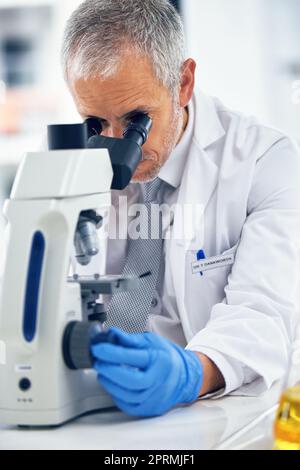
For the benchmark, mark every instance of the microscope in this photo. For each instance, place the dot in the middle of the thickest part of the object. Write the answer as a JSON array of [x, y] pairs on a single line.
[[48, 319]]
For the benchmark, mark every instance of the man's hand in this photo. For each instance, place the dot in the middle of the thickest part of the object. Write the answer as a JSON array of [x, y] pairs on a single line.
[[145, 374]]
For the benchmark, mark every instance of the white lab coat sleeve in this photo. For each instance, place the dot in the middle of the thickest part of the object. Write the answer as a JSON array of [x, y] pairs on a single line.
[[249, 334]]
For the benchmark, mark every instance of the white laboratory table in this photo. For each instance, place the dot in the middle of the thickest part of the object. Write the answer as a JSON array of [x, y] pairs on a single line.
[[226, 423]]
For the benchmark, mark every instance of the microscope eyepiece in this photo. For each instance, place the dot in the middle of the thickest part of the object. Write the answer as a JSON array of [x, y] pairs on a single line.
[[125, 154], [138, 129], [67, 136]]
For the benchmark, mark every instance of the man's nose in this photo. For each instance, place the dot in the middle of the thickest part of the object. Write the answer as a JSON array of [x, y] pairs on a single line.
[[113, 131]]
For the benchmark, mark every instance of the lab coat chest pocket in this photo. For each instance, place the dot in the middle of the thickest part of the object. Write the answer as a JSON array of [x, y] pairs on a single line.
[[203, 291]]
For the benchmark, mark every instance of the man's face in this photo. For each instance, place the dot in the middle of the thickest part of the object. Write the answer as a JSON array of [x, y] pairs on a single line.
[[131, 90]]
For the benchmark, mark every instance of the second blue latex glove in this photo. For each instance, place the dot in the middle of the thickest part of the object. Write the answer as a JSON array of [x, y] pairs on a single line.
[[145, 374]]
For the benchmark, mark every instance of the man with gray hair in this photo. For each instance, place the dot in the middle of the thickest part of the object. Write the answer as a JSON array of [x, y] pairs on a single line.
[[223, 307]]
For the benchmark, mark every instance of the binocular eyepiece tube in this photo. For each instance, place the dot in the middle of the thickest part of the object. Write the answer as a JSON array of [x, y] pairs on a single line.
[[76, 136]]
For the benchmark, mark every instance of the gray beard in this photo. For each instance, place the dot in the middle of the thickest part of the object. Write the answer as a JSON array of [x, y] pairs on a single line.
[[169, 143]]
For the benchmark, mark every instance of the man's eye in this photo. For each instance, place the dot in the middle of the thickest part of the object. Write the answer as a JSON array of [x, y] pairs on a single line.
[[103, 124], [135, 116], [128, 119]]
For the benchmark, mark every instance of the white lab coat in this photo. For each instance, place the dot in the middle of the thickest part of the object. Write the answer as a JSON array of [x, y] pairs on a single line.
[[247, 177]]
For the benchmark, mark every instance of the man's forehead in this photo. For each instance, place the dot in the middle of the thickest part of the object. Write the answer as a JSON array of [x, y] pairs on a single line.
[[133, 87], [129, 77], [120, 105]]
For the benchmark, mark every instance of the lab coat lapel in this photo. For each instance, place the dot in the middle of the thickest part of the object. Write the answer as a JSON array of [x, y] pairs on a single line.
[[198, 183]]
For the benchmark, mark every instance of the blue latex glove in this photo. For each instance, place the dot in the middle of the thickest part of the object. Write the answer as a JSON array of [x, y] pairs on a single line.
[[145, 374]]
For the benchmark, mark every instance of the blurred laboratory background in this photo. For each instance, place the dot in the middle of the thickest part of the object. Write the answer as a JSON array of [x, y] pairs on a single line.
[[247, 54]]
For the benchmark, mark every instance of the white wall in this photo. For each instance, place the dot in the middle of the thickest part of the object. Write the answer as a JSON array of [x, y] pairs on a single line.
[[49, 84], [46, 27], [53, 78], [244, 49]]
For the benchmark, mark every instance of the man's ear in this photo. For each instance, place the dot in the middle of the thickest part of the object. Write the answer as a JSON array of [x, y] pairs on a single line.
[[187, 83]]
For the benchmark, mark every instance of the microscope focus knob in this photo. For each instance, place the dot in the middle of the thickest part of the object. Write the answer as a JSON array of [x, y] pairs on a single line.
[[99, 314], [77, 339]]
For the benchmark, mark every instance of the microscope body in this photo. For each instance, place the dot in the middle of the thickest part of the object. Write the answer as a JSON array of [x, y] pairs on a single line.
[[47, 319], [37, 301]]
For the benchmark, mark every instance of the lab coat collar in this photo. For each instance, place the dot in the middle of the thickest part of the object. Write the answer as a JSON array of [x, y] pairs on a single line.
[[199, 180], [200, 175], [204, 127], [208, 127], [172, 170]]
